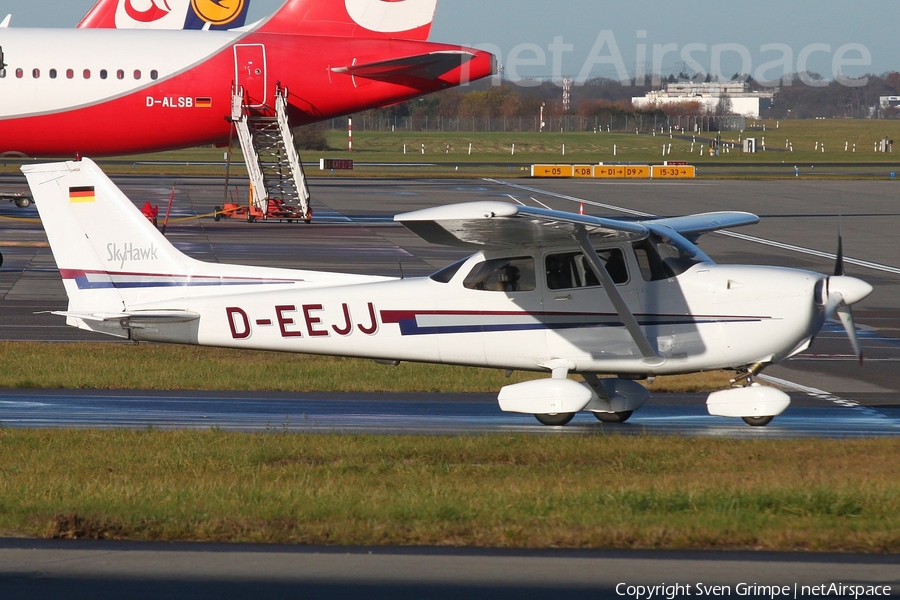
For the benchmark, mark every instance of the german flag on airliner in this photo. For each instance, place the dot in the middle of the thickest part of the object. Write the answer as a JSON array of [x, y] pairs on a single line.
[[81, 194], [204, 102]]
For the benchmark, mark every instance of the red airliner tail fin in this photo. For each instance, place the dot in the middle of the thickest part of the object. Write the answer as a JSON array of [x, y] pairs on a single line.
[[166, 14], [399, 19]]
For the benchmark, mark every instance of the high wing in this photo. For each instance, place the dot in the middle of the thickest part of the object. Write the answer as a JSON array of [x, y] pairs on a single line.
[[423, 66], [693, 226], [501, 224]]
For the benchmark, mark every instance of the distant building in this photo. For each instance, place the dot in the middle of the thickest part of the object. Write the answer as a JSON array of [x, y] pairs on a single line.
[[743, 101], [889, 101]]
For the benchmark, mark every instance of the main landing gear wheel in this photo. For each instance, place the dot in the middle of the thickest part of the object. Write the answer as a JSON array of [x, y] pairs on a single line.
[[618, 417], [23, 202], [757, 421], [555, 419]]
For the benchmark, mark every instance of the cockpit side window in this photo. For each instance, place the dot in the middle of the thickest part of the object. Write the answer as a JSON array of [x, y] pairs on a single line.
[[502, 275], [660, 260], [571, 270]]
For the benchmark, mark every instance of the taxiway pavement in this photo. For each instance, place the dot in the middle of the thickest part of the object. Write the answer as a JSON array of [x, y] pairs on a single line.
[[40, 570]]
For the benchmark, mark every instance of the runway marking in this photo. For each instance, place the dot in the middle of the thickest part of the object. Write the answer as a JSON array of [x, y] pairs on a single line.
[[829, 397], [732, 234]]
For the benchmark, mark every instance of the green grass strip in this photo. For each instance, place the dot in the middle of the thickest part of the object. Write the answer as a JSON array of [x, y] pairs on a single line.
[[489, 491], [159, 367]]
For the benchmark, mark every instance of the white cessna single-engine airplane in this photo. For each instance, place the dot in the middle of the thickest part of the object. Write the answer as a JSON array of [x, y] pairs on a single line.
[[545, 291]]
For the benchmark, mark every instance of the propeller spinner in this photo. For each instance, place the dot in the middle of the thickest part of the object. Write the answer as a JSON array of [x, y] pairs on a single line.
[[842, 292]]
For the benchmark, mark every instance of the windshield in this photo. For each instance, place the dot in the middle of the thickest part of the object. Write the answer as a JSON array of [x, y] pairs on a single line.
[[660, 259], [448, 272]]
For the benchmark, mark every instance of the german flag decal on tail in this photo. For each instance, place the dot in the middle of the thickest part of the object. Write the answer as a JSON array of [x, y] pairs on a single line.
[[81, 194], [203, 102]]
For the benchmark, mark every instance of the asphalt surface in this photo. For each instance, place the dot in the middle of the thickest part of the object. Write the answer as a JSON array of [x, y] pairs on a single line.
[[428, 414], [40, 570]]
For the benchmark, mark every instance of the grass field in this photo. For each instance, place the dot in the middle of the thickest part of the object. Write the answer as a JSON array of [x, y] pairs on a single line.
[[598, 147], [490, 491], [158, 367], [449, 151]]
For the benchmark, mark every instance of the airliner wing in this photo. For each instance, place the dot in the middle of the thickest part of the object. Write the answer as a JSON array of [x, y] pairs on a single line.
[[500, 224], [423, 66]]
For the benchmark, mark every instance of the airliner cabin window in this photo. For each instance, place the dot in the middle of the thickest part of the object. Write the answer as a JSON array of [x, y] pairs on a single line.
[[70, 73], [103, 74], [36, 73], [137, 74], [20, 73], [571, 270], [2, 73], [87, 73], [502, 275], [154, 74], [52, 73], [120, 74]]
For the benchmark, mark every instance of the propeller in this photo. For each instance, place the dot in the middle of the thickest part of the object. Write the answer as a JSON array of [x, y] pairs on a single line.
[[841, 293]]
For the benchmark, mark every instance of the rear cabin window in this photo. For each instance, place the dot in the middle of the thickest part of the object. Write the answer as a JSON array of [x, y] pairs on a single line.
[[571, 270], [502, 275]]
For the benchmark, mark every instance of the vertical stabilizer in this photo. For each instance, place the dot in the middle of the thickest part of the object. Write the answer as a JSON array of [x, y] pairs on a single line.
[[166, 14], [109, 255], [398, 19]]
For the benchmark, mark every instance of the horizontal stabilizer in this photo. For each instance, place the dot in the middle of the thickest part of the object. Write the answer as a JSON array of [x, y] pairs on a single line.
[[501, 224], [134, 318], [428, 67]]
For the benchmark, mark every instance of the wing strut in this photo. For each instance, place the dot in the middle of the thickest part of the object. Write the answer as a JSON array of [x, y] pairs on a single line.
[[651, 357]]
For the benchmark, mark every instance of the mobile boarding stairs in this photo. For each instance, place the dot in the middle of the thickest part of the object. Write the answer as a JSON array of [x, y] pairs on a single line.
[[278, 184]]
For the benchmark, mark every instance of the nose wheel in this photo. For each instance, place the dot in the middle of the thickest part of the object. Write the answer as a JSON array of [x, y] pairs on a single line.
[[757, 421], [617, 417]]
